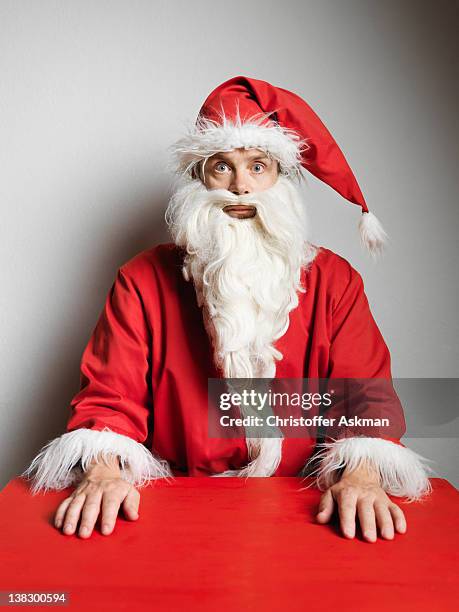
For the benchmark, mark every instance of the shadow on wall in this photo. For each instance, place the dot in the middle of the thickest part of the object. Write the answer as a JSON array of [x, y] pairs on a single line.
[[48, 405]]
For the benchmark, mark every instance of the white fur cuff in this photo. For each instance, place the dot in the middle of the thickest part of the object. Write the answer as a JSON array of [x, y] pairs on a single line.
[[56, 465], [403, 473]]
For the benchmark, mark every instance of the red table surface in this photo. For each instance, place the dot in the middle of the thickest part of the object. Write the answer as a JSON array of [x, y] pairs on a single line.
[[231, 544]]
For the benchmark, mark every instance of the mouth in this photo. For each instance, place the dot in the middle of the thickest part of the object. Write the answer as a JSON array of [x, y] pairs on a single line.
[[240, 210]]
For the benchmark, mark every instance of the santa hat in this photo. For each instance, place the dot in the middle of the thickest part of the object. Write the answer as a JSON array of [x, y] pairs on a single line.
[[249, 113]]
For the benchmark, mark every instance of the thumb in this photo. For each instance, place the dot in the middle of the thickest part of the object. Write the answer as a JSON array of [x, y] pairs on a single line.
[[325, 507]]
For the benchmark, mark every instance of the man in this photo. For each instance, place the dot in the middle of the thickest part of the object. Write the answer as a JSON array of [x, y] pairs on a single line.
[[241, 293]]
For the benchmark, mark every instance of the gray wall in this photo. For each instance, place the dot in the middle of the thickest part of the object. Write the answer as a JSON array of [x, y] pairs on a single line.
[[92, 93]]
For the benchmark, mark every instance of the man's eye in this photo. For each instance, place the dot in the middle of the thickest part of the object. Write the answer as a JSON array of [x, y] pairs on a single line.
[[220, 165], [259, 166]]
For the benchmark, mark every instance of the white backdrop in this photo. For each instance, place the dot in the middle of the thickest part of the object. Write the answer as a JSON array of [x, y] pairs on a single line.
[[93, 92]]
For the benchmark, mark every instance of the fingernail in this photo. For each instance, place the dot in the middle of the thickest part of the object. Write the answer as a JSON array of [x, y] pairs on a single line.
[[105, 528], [68, 527], [84, 531], [58, 523]]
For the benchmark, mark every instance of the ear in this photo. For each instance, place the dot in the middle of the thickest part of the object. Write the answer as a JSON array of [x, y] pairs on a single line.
[[196, 172]]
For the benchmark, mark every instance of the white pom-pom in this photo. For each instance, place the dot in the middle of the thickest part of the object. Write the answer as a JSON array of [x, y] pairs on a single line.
[[372, 234]]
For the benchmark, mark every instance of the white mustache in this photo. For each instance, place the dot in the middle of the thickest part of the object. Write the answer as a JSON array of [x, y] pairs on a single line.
[[223, 197], [226, 198]]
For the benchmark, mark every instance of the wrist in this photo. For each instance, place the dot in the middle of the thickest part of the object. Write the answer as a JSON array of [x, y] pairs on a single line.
[[363, 473], [107, 465]]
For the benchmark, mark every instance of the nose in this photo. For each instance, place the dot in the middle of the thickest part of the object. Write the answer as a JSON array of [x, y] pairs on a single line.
[[239, 190], [238, 185]]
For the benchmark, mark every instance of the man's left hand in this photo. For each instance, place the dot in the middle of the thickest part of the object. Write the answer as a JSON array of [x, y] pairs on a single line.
[[360, 492]]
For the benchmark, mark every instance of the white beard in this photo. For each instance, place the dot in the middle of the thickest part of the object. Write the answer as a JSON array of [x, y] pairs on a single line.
[[246, 274]]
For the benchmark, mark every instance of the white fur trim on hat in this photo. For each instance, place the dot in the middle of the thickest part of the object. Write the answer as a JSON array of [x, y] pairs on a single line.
[[55, 466], [403, 473], [372, 234], [208, 136]]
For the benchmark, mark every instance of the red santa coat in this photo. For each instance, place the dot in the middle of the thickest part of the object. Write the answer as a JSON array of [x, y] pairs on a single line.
[[145, 369]]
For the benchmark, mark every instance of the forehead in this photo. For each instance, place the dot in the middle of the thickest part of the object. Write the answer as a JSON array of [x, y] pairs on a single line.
[[240, 154]]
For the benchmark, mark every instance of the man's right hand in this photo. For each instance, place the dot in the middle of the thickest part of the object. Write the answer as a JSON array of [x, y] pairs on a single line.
[[102, 490]]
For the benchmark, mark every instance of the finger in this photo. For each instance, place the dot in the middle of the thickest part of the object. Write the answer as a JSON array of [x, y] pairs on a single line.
[[384, 521], [110, 507], [73, 513], [325, 507], [367, 519], [131, 504], [398, 518], [346, 507], [60, 512], [90, 513]]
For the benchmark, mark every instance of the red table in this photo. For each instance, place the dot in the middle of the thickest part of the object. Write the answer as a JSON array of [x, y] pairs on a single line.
[[231, 544]]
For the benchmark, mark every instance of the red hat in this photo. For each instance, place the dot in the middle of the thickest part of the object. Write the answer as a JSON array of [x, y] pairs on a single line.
[[249, 113]]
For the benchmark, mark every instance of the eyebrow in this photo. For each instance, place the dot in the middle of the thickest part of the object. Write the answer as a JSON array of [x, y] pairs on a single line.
[[251, 158]]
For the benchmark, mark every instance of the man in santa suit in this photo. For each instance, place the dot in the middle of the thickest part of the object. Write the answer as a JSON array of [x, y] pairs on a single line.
[[241, 292]]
